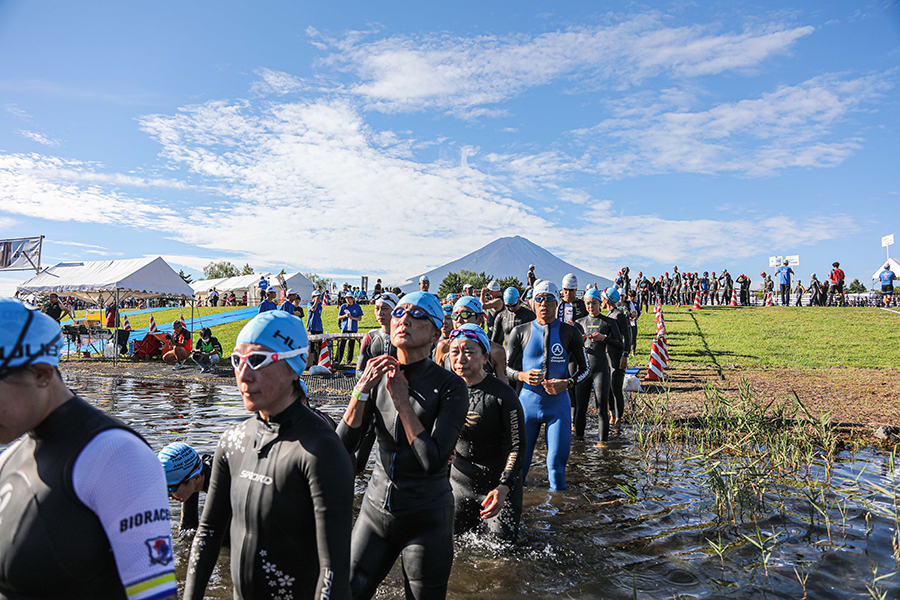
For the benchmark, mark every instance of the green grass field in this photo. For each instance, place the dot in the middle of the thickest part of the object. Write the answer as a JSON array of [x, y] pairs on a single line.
[[777, 337]]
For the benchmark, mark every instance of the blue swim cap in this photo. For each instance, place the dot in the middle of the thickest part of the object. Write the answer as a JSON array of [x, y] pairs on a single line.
[[451, 298], [481, 336], [180, 462], [511, 295], [427, 302], [27, 336], [280, 332], [611, 294], [448, 309], [592, 293], [470, 302]]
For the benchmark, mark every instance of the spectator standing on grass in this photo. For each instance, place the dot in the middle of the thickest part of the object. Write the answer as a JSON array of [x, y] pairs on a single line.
[[288, 304], [269, 302], [298, 307], [263, 286], [55, 309], [798, 291], [213, 297], [314, 323], [836, 277], [784, 273], [349, 316], [887, 277]]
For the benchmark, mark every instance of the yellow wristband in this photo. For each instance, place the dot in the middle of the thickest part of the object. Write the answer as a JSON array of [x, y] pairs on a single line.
[[360, 396]]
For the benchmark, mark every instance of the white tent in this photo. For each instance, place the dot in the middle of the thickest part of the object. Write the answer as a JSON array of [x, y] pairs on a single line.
[[129, 278], [300, 284], [239, 284], [895, 267]]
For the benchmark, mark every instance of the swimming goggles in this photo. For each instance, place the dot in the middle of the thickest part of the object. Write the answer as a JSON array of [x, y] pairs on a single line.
[[470, 334], [541, 298], [193, 473], [464, 315], [260, 358], [415, 312]]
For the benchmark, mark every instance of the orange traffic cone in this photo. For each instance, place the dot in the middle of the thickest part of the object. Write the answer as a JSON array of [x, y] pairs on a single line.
[[696, 301], [127, 324], [153, 328], [654, 368], [770, 299], [734, 301], [325, 356], [183, 322]]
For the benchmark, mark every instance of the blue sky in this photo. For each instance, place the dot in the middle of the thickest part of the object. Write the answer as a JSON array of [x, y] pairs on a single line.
[[385, 139]]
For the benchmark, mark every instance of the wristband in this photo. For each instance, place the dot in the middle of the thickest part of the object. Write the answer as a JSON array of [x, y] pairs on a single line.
[[360, 396], [570, 383]]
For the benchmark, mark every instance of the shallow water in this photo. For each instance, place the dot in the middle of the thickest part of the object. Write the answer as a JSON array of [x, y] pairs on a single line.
[[629, 525]]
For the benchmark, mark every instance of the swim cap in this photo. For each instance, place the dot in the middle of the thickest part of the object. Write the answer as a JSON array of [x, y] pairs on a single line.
[[546, 287], [482, 337], [610, 294], [570, 282], [447, 308], [280, 332], [592, 293], [429, 303], [494, 285], [423, 278], [470, 302], [390, 299], [511, 295], [180, 462], [451, 297], [27, 336]]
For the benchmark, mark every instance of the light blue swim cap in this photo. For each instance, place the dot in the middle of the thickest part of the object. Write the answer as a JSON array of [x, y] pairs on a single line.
[[592, 293], [180, 462], [482, 337], [611, 294], [427, 302], [470, 302], [27, 336], [511, 295]]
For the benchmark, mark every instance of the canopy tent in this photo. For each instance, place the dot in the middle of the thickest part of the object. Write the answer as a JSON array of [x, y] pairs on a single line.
[[895, 267], [91, 281], [300, 284]]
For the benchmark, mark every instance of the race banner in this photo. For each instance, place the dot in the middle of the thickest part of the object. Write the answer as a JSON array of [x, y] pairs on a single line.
[[20, 254]]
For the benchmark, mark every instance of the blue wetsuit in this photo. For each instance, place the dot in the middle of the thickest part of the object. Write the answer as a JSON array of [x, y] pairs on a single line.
[[549, 348]]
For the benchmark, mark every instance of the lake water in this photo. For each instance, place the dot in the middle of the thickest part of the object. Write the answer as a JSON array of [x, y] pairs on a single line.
[[631, 524]]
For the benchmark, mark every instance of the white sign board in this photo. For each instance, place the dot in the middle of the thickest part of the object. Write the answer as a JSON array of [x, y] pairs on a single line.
[[775, 261], [793, 260], [887, 240]]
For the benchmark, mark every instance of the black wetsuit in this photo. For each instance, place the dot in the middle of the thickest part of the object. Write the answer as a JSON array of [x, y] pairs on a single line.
[[599, 378], [52, 545], [507, 320], [190, 508], [578, 310], [489, 452], [617, 374], [286, 485], [375, 343], [408, 505]]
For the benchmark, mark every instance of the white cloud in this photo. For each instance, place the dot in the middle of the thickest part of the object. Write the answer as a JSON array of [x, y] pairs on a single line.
[[792, 126], [13, 109], [276, 82], [7, 224], [457, 74], [40, 138]]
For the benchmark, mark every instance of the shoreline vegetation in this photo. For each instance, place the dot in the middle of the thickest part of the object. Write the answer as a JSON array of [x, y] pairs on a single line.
[[839, 364]]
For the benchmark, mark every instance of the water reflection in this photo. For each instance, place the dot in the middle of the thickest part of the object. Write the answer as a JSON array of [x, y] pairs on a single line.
[[629, 525]]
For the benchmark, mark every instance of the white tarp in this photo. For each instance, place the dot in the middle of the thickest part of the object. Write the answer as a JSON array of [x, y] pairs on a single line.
[[133, 278], [895, 267], [20, 254], [250, 284], [300, 284]]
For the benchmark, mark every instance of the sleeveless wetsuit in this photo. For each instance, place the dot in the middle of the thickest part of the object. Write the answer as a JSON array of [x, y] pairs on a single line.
[[599, 378], [83, 512], [407, 509], [617, 375], [286, 485], [489, 452], [549, 348]]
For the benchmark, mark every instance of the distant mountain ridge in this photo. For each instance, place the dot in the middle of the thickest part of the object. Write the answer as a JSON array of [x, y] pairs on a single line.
[[508, 257]]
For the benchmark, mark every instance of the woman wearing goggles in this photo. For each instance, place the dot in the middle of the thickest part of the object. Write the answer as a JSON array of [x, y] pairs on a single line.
[[491, 447], [468, 309]]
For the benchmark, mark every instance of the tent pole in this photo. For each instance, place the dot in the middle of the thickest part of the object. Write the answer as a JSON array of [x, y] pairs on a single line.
[[116, 333]]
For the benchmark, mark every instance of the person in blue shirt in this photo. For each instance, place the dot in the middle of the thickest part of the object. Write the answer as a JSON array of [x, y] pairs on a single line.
[[784, 273], [288, 305], [887, 277], [314, 324], [349, 316], [269, 303]]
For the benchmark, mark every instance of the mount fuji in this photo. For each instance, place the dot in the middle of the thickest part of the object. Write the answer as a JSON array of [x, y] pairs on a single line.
[[507, 257]]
